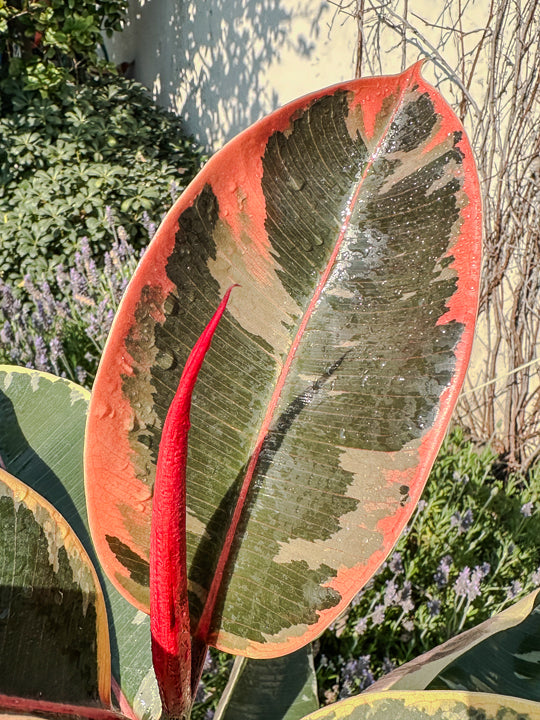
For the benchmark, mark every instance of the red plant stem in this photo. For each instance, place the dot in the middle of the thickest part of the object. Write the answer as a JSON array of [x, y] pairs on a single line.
[[27, 706], [169, 608]]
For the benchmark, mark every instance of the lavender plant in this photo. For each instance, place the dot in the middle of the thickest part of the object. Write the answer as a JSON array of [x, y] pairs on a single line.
[[63, 332], [470, 551]]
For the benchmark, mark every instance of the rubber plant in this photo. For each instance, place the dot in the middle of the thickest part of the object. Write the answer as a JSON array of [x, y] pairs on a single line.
[[252, 453]]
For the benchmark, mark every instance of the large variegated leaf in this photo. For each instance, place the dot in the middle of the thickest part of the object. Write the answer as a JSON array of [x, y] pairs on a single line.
[[393, 705], [500, 655], [54, 641], [351, 221], [42, 421], [283, 688]]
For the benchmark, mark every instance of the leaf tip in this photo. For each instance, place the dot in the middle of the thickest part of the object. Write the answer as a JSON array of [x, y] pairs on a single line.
[[415, 70]]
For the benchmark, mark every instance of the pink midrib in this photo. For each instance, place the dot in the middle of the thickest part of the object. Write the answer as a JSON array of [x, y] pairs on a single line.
[[202, 631]]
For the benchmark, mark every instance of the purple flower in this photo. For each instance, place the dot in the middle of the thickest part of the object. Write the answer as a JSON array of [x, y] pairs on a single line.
[[405, 599], [85, 249], [515, 588], [41, 361], [8, 303], [377, 616], [40, 319], [443, 571], [462, 522], [484, 568], [535, 577], [461, 586], [201, 693], [47, 298], [148, 225], [527, 509], [361, 626], [55, 346], [434, 607], [408, 625], [6, 334], [387, 666], [460, 478], [422, 504], [29, 286], [62, 278], [357, 670], [84, 264], [81, 374], [209, 664], [468, 583], [122, 234], [390, 593], [78, 283], [396, 563]]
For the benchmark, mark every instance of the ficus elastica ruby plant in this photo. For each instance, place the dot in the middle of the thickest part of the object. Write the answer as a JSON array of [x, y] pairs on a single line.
[[275, 388]]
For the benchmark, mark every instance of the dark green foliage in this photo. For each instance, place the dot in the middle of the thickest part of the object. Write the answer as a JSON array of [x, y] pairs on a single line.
[[44, 43], [68, 158]]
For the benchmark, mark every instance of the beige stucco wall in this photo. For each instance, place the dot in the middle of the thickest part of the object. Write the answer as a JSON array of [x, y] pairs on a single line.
[[222, 64], [226, 63]]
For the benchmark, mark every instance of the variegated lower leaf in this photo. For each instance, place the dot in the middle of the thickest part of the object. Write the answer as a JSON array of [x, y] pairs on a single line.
[[500, 655], [350, 219], [394, 705], [54, 641], [42, 422]]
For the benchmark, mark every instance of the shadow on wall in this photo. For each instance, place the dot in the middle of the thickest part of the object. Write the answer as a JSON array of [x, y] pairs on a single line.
[[209, 61]]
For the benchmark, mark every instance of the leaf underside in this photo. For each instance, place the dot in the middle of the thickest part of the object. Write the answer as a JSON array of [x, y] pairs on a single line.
[[351, 221]]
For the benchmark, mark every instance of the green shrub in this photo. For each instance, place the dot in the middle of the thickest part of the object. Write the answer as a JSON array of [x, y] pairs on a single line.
[[474, 532], [70, 158], [45, 44]]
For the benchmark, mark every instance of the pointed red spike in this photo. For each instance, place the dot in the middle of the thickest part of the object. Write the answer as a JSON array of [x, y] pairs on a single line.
[[169, 609]]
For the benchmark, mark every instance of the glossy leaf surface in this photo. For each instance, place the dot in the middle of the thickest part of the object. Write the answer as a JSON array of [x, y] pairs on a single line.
[[393, 705], [501, 655], [42, 421], [283, 688], [54, 641], [351, 221]]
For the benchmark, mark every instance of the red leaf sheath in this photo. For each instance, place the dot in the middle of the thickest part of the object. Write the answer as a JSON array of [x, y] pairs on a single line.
[[169, 609]]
